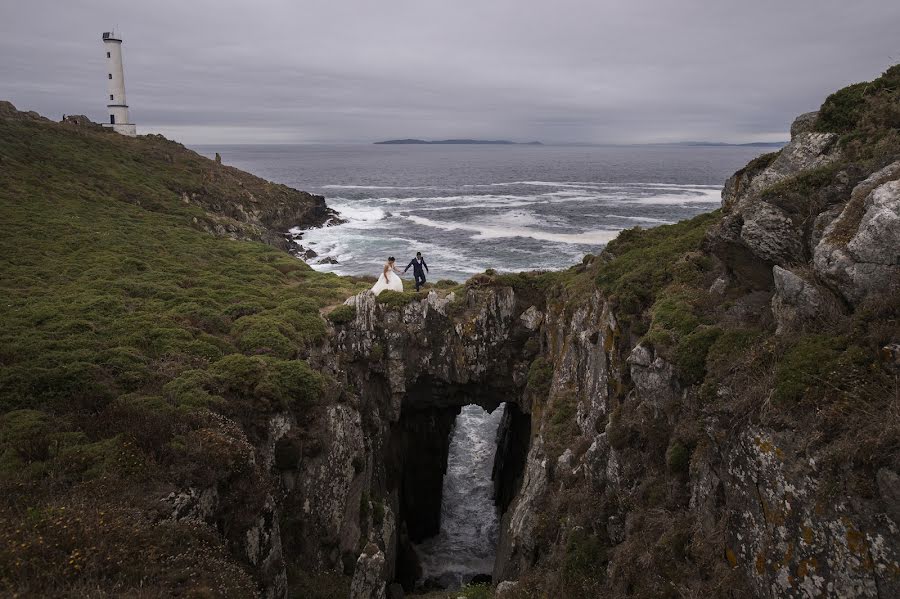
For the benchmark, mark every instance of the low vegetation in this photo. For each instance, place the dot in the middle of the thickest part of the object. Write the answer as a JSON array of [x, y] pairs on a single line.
[[342, 314], [123, 330]]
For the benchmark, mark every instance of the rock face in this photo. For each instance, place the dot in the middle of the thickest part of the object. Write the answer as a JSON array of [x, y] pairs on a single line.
[[805, 123], [796, 303], [757, 232], [368, 582], [857, 254]]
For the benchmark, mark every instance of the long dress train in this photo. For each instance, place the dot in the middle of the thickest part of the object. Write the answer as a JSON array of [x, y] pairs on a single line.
[[388, 281]]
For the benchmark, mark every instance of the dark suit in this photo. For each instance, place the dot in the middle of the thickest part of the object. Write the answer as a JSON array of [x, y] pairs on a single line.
[[419, 269]]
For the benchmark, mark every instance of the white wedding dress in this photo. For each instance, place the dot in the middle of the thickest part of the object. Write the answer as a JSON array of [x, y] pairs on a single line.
[[390, 281]]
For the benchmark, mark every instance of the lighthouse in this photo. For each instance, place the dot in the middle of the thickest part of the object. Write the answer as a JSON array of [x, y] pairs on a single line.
[[117, 107]]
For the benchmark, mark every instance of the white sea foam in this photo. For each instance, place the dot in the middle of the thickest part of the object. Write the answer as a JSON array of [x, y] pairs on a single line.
[[643, 219], [360, 212], [595, 237], [707, 196], [378, 187]]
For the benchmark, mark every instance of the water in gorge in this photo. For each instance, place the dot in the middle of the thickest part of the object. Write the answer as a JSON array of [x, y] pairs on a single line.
[[470, 525]]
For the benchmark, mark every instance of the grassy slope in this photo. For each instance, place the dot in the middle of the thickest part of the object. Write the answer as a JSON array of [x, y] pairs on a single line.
[[121, 325]]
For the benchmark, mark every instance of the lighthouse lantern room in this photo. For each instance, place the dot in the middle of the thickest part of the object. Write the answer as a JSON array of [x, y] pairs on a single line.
[[117, 107]]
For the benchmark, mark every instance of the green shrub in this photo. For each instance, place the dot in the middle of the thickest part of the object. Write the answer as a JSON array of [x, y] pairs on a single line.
[[26, 433], [678, 458], [127, 365], [275, 382], [189, 389], [540, 376], [673, 318], [202, 317], [561, 428], [841, 110], [805, 364], [237, 373], [342, 314], [241, 309], [476, 591], [867, 116], [638, 263], [728, 348], [289, 382], [585, 556], [618, 433], [398, 299], [691, 353], [262, 334]]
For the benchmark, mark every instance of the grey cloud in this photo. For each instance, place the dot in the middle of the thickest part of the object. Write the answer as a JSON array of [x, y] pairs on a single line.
[[357, 70]]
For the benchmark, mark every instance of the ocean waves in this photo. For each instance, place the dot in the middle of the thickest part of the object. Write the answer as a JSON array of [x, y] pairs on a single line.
[[511, 225]]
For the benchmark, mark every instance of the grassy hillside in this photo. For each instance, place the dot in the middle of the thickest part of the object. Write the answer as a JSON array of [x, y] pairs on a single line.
[[124, 328]]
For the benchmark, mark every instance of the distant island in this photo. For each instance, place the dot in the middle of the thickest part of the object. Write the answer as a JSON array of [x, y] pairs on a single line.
[[493, 142]]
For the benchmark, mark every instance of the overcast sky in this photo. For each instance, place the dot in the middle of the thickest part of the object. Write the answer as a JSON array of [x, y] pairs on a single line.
[[600, 71]]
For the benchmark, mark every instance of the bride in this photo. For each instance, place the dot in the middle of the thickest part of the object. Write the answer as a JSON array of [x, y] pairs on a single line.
[[389, 279]]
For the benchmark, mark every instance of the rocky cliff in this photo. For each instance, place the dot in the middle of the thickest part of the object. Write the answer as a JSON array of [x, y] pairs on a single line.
[[709, 408]]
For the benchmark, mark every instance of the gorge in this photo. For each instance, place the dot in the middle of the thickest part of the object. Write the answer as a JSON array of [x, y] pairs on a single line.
[[704, 409]]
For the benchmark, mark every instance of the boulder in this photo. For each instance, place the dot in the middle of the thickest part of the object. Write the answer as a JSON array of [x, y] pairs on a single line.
[[505, 588], [367, 582], [532, 318], [806, 151], [858, 254], [771, 235], [654, 379], [755, 234], [80, 120], [796, 302], [804, 123]]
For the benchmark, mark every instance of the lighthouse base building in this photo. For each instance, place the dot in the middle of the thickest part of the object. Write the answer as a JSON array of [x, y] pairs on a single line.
[[117, 108]]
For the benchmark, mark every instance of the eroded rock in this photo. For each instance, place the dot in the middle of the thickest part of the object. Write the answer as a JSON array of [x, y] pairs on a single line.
[[367, 577], [796, 302], [864, 260]]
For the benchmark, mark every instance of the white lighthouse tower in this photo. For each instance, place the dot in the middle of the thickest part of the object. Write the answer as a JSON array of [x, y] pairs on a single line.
[[117, 107]]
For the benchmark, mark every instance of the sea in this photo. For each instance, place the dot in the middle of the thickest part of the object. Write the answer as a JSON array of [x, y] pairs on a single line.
[[468, 208]]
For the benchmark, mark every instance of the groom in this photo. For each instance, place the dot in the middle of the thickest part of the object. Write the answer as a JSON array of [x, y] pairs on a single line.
[[418, 264]]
